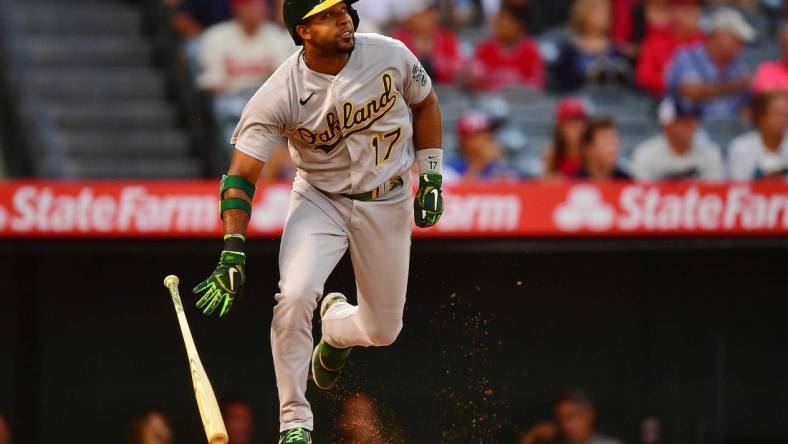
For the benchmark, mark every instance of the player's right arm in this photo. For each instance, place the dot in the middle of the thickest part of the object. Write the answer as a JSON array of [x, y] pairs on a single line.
[[235, 194], [259, 130]]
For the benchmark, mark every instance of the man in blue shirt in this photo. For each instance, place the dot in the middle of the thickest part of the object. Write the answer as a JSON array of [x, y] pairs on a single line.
[[712, 74]]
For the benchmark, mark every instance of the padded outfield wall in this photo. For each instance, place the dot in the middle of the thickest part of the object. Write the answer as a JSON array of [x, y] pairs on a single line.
[[689, 333], [679, 317]]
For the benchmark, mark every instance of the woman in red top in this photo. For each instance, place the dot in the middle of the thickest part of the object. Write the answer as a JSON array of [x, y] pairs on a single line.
[[562, 158], [662, 42], [509, 58], [438, 50]]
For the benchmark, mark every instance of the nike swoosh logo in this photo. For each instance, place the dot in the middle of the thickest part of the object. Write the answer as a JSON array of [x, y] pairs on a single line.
[[435, 196], [303, 101], [232, 281], [432, 157]]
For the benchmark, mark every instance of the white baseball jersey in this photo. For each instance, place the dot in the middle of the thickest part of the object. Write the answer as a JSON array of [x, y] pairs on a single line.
[[347, 133]]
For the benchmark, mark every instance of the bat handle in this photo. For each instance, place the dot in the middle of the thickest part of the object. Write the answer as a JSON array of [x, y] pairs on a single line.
[[171, 280]]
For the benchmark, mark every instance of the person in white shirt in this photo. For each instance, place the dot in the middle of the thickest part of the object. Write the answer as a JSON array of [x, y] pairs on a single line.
[[237, 56], [240, 54], [762, 153], [677, 153]]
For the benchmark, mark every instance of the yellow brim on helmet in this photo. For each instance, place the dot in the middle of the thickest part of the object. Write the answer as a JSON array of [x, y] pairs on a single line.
[[322, 7]]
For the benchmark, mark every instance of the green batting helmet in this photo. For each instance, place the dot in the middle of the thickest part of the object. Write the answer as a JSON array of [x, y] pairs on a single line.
[[295, 11]]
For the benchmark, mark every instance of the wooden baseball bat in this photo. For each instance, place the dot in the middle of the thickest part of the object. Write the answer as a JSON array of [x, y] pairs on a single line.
[[210, 414]]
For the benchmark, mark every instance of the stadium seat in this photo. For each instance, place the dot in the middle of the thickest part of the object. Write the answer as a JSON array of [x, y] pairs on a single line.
[[100, 105]]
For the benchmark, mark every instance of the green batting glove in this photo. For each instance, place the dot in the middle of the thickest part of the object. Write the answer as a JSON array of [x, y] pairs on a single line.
[[225, 284], [428, 205]]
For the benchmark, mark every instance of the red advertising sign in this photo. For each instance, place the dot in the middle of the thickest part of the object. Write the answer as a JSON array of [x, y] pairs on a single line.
[[189, 209]]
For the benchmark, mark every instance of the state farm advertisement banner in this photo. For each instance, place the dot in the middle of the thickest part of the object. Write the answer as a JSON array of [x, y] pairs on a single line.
[[189, 209]]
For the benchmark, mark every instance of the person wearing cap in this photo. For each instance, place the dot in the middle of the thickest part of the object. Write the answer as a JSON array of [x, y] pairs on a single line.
[[240, 54], [712, 74], [600, 148], [438, 50], [772, 75], [482, 157], [763, 152], [660, 43], [677, 153], [563, 157]]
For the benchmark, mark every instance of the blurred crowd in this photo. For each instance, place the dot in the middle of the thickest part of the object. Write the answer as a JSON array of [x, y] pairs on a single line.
[[153, 427], [360, 420], [685, 60]]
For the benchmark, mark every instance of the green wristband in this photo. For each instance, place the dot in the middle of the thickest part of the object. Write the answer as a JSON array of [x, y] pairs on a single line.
[[236, 182], [236, 204]]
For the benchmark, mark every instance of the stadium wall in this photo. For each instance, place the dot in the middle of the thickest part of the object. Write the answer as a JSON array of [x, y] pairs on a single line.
[[684, 331]]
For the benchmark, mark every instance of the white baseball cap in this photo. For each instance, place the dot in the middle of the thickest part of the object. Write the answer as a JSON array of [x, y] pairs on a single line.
[[731, 20]]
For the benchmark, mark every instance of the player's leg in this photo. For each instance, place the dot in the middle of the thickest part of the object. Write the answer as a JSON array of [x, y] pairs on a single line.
[[312, 244], [380, 250]]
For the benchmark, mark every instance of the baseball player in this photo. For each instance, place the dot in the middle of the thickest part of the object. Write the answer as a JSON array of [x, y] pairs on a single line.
[[357, 110]]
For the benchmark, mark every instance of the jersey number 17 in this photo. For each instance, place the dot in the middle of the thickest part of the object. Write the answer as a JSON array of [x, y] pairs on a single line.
[[390, 137]]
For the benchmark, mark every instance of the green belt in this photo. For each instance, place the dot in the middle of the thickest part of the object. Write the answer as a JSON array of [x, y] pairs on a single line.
[[373, 195]]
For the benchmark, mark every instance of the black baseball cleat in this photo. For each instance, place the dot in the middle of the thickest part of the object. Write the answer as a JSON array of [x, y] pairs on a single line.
[[328, 361]]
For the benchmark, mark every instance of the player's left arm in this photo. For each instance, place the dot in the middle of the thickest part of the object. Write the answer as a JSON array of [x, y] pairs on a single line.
[[428, 139]]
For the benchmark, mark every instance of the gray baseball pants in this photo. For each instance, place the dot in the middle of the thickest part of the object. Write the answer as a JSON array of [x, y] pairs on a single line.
[[319, 229]]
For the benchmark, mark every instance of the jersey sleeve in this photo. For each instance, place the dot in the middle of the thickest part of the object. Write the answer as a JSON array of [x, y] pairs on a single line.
[[261, 126], [416, 84]]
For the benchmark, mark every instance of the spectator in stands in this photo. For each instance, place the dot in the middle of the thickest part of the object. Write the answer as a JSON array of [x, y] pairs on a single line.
[[563, 157], [382, 15], [242, 53], [591, 57], [600, 152], [677, 153], [712, 74], [192, 17], [152, 428], [762, 153], [539, 16], [660, 43], [239, 421], [482, 157], [773, 75], [574, 423], [5, 431], [623, 25], [277, 15], [437, 49], [508, 58], [237, 56], [648, 16]]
